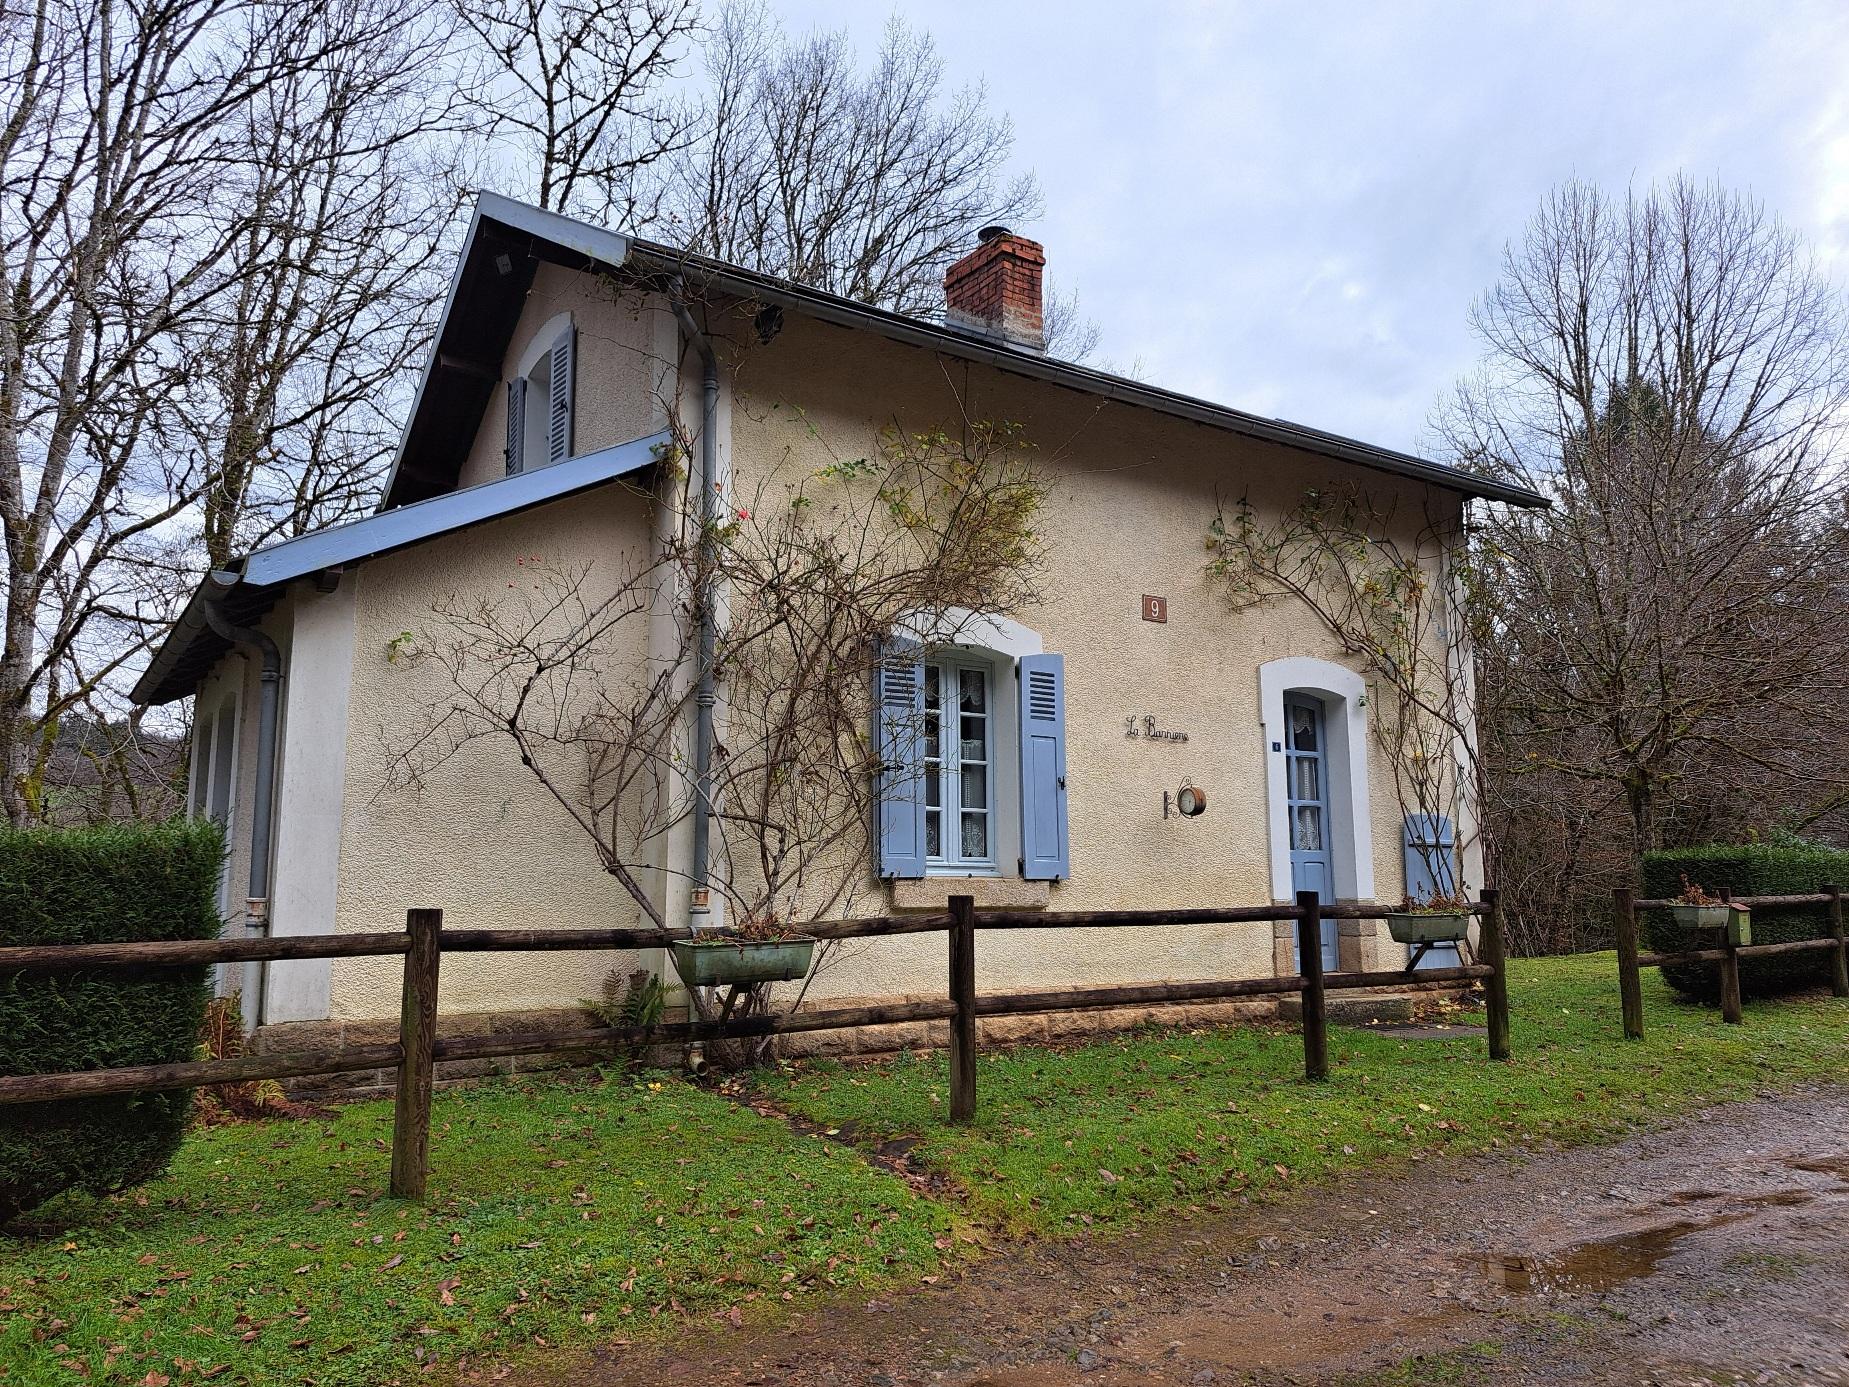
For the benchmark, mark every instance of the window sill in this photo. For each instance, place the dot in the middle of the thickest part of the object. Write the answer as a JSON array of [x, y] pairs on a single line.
[[991, 893]]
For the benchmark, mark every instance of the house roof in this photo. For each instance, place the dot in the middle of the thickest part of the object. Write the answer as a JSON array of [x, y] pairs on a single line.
[[250, 587], [507, 240], [505, 244]]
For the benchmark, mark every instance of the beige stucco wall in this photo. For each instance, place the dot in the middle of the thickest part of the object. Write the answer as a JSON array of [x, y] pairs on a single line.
[[1132, 496], [481, 840], [623, 343]]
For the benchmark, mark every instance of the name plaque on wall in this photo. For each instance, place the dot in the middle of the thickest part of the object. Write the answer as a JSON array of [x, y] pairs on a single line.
[[1145, 728]]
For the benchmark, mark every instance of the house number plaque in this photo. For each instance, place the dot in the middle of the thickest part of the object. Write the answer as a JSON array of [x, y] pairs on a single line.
[[1155, 608]]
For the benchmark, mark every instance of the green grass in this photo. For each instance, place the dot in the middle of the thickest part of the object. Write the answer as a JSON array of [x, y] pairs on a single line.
[[268, 1250], [1109, 1132], [271, 1248]]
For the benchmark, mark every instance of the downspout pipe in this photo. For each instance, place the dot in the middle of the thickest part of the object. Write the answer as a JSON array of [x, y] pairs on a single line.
[[269, 690], [705, 695]]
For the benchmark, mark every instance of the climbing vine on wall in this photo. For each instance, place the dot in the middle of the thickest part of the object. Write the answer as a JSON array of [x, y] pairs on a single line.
[[1399, 608]]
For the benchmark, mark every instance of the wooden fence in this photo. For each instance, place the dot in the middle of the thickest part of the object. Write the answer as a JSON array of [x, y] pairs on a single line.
[[424, 941], [1725, 956]]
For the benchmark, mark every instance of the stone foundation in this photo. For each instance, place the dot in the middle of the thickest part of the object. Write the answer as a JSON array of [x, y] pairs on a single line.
[[294, 1036], [868, 1042]]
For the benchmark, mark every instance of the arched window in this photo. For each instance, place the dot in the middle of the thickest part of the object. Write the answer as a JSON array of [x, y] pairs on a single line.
[[540, 398]]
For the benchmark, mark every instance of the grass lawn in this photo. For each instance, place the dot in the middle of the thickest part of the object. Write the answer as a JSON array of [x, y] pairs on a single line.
[[559, 1211], [1113, 1130], [577, 1211]]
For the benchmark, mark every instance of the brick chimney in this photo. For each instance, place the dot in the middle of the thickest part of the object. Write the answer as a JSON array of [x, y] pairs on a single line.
[[995, 289]]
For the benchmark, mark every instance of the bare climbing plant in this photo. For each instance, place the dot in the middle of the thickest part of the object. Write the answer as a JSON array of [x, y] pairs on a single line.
[[1399, 607], [812, 574]]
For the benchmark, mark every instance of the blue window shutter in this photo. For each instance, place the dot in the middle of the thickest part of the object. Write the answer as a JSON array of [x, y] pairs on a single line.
[[1044, 854], [1430, 844], [516, 423], [898, 739], [559, 396]]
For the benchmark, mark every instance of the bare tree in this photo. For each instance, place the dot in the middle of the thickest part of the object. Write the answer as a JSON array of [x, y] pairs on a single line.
[[1070, 335], [308, 355], [863, 183], [573, 94], [1670, 371], [117, 127]]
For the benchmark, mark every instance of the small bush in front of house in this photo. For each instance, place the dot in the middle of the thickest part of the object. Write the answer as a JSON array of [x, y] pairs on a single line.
[[99, 885], [1749, 869]]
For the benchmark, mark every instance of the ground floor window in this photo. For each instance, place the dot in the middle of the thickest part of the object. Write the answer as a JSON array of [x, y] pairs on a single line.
[[959, 759], [971, 777]]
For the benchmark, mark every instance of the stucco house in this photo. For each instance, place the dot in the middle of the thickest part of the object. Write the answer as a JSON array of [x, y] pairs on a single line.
[[539, 428]]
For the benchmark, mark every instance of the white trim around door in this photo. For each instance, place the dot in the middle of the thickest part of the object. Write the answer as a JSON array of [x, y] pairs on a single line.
[[1343, 694]]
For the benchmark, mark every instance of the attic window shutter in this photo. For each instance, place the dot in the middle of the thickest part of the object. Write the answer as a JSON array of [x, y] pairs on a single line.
[[1044, 852], [516, 424], [1430, 844], [559, 396], [898, 739]]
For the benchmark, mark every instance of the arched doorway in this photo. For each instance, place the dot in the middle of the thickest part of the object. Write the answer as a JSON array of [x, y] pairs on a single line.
[[1315, 728]]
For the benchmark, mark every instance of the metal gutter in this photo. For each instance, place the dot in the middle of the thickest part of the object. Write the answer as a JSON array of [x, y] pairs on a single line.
[[706, 694]]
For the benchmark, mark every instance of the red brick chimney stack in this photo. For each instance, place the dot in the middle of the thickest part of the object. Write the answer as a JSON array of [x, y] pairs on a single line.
[[995, 289]]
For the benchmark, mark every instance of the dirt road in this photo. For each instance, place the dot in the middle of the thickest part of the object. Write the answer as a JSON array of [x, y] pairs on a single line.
[[1716, 1250]]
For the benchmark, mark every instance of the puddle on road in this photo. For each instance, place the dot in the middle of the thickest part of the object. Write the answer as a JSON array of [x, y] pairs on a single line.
[[1591, 1267], [1602, 1264]]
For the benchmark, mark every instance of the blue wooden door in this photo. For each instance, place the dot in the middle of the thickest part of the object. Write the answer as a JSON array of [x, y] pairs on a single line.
[[1306, 810]]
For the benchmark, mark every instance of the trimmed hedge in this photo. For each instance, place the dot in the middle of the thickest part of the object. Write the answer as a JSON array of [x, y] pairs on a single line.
[[100, 885], [1751, 869]]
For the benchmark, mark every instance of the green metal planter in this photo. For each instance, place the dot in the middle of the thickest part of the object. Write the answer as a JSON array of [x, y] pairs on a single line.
[[716, 961], [1735, 920], [1447, 928]]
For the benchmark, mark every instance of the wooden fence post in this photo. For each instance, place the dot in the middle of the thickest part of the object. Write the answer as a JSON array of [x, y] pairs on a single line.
[[1839, 959], [417, 1034], [1496, 985], [1730, 983], [963, 993], [1310, 965], [1630, 984]]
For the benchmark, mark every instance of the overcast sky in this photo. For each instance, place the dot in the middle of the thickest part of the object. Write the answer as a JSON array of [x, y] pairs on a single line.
[[1288, 207]]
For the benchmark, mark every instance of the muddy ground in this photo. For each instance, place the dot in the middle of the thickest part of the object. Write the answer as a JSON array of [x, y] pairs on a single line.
[[1716, 1250]]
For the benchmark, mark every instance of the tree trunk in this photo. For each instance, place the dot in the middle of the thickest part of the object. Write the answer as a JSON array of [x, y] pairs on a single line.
[[1641, 798]]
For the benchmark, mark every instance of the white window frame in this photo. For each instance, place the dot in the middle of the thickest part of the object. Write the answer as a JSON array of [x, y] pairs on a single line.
[[951, 665], [999, 642]]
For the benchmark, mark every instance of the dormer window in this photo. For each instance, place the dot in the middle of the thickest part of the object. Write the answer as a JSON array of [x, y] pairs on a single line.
[[539, 399]]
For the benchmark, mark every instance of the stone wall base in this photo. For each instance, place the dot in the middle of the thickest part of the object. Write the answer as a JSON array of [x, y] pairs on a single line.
[[869, 1042], [295, 1036]]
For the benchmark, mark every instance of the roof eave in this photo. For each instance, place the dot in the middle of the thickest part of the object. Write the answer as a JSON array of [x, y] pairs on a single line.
[[260, 579], [972, 347], [494, 217]]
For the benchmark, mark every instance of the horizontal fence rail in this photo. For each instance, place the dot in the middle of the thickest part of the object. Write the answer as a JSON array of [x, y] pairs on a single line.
[[1726, 956], [424, 941]]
